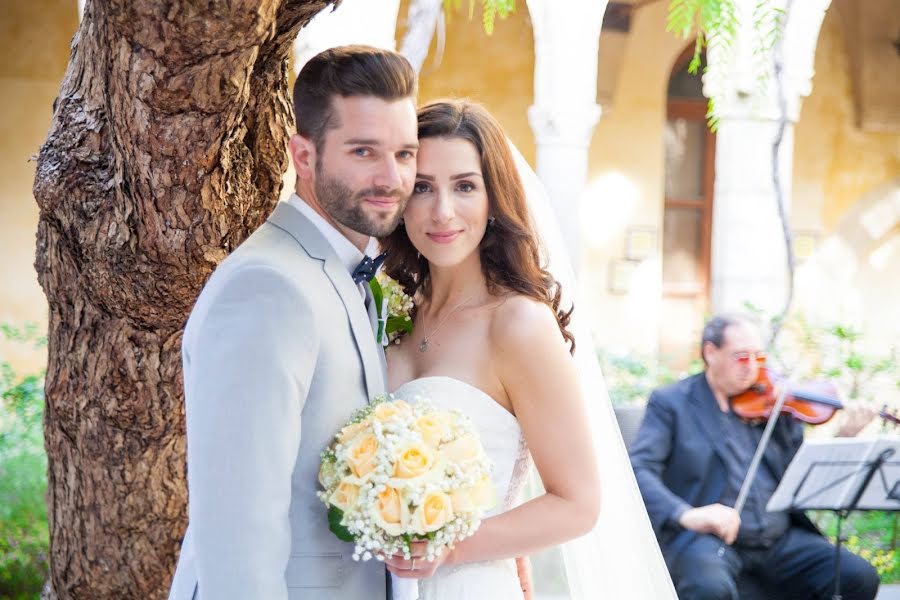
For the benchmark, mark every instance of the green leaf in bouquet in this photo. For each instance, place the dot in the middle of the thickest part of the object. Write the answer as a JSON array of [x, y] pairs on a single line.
[[336, 525], [396, 323], [377, 292]]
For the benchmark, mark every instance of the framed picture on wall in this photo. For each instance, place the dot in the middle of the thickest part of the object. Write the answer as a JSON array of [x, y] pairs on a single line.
[[640, 243], [621, 272]]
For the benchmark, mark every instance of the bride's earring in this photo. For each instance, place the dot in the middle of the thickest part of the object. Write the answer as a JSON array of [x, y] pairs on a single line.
[[491, 220]]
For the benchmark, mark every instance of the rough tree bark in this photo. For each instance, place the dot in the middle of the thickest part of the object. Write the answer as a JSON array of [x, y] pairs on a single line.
[[165, 151]]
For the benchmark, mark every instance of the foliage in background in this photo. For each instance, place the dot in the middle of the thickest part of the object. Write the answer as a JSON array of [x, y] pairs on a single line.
[[835, 351], [490, 10], [630, 377], [24, 538], [872, 535]]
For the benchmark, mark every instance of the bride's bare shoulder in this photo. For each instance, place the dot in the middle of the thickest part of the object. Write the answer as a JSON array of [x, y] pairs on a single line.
[[519, 321]]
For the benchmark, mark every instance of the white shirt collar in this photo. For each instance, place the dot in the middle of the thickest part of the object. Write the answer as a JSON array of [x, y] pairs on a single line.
[[344, 248]]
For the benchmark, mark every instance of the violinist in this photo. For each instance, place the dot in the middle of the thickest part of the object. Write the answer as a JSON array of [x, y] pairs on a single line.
[[691, 456]]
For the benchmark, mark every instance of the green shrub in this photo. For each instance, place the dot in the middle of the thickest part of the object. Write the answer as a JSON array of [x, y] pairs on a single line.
[[870, 534], [630, 377], [24, 539]]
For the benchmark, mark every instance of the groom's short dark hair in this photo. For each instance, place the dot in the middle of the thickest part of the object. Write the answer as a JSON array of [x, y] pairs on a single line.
[[347, 71]]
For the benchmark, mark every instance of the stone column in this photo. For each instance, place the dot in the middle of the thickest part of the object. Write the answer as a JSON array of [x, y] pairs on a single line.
[[749, 257], [565, 109]]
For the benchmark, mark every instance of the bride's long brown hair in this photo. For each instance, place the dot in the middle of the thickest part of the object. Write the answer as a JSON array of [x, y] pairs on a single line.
[[510, 257]]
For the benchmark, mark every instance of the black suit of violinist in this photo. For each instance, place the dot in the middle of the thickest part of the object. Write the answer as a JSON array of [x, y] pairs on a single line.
[[690, 457]]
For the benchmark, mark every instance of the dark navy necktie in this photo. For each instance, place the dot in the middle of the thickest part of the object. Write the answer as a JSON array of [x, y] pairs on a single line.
[[367, 268]]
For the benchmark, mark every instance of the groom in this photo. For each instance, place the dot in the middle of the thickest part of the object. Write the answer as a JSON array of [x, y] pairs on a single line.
[[279, 349]]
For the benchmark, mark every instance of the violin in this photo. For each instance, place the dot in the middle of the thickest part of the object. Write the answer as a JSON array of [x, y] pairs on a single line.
[[771, 396], [813, 402]]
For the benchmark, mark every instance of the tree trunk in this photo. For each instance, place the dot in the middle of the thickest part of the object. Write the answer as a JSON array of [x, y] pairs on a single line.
[[166, 150]]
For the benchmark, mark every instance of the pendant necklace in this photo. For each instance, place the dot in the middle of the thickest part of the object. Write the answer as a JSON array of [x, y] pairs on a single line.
[[423, 345]]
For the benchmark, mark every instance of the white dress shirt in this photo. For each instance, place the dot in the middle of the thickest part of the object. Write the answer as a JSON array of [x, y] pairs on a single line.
[[344, 248]]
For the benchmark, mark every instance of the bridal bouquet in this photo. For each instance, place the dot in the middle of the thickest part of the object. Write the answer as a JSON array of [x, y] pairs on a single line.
[[399, 472]]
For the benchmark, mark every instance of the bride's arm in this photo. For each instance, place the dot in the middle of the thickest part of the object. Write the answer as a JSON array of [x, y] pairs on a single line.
[[540, 377]]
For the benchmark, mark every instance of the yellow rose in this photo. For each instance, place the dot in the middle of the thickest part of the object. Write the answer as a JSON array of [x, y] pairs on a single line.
[[479, 497], [431, 428], [348, 432], [390, 511], [361, 455], [388, 410], [413, 460], [345, 495], [435, 512], [463, 449]]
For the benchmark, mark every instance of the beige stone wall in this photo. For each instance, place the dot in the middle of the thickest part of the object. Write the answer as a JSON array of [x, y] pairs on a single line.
[[836, 163], [626, 187], [847, 191], [495, 70], [35, 46]]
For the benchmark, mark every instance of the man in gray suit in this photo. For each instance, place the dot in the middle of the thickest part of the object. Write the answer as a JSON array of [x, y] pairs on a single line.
[[279, 349]]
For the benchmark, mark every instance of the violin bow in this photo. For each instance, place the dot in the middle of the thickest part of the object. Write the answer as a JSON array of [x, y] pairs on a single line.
[[760, 450]]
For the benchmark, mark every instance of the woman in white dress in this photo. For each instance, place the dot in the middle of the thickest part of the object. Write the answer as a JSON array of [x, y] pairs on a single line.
[[490, 339]]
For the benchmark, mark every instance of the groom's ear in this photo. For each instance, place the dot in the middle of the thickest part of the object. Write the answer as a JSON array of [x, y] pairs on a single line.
[[303, 154]]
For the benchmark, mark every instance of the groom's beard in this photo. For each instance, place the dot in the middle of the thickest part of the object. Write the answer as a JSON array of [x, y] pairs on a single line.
[[346, 206]]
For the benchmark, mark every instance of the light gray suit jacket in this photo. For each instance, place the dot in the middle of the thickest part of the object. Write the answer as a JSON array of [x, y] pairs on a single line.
[[277, 353]]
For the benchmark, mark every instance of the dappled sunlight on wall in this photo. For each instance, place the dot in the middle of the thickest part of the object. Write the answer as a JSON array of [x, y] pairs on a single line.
[[627, 176], [607, 206], [852, 275]]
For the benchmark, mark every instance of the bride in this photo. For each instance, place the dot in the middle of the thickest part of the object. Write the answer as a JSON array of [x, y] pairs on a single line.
[[493, 338]]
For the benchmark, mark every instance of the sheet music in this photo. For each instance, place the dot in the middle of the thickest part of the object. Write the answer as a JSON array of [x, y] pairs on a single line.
[[825, 474]]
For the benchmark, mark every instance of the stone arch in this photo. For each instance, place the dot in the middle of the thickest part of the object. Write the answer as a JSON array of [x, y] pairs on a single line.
[[802, 31]]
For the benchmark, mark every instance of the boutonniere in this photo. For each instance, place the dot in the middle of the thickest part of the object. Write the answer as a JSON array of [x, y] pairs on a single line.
[[393, 307]]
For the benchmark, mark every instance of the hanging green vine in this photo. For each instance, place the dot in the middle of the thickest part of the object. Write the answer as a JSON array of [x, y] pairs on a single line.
[[714, 24], [490, 10]]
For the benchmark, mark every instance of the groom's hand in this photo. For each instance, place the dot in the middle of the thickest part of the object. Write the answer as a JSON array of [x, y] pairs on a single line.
[[417, 567], [717, 519]]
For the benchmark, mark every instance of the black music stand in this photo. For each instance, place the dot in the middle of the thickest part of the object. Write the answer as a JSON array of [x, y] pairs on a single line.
[[841, 475]]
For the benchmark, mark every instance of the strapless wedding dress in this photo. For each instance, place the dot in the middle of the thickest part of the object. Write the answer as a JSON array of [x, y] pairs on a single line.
[[504, 444]]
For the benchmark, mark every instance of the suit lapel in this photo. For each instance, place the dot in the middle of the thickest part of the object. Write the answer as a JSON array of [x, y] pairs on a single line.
[[706, 411], [289, 219]]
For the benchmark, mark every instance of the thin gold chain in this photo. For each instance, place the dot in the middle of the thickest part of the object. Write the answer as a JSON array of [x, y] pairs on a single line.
[[423, 345]]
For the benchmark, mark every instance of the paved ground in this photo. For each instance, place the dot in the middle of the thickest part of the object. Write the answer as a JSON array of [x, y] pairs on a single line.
[[889, 592]]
